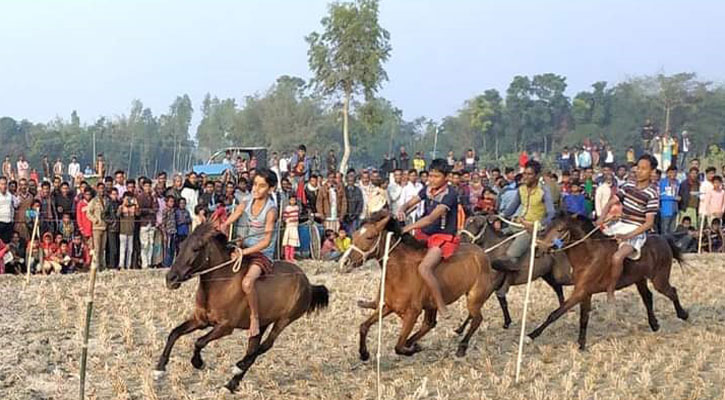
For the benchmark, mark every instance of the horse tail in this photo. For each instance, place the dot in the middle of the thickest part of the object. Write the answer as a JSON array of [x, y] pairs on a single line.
[[676, 251], [320, 298]]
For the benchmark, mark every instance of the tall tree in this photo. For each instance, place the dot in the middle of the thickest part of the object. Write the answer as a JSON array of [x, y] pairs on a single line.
[[348, 56]]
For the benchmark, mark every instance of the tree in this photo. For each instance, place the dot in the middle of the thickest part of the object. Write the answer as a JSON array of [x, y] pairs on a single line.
[[348, 56]]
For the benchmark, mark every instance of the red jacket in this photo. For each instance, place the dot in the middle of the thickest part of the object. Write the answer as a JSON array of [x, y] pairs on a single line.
[[84, 224]]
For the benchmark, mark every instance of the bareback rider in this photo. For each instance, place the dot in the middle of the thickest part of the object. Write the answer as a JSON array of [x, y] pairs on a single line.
[[536, 204], [437, 227], [640, 205]]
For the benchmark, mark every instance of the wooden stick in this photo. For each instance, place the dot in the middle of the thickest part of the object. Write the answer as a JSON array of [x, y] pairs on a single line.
[[381, 303], [86, 329], [29, 252], [526, 300], [231, 226], [699, 240]]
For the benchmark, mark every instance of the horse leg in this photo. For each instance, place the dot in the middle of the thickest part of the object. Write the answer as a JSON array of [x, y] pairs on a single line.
[[185, 328], [409, 319], [365, 327], [646, 295], [463, 326], [217, 332], [254, 350], [429, 322], [662, 284], [584, 308], [475, 300], [476, 319], [558, 288], [505, 308], [575, 298]]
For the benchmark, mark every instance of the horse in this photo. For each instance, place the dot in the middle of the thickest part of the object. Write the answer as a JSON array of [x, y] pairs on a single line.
[[284, 296], [589, 252], [467, 272], [553, 269]]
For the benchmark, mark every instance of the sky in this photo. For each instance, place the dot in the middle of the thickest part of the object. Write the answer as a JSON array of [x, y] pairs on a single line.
[[97, 56]]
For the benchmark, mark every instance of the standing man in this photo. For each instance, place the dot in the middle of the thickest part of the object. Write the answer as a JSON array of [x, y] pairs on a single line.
[[331, 202], [7, 169], [403, 159], [100, 166], [46, 168], [8, 204], [395, 191], [640, 204], [684, 149], [331, 161], [148, 207], [58, 169], [354, 196], [301, 157], [669, 197], [690, 196], [96, 214], [23, 168], [74, 168], [410, 191]]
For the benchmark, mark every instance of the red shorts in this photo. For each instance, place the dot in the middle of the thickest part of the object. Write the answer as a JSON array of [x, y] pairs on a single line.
[[446, 242]]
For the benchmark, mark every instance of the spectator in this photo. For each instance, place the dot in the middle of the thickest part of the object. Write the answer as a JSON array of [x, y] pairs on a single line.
[[403, 159], [354, 198], [410, 191], [451, 159], [88, 171], [550, 179], [17, 249], [575, 202], [714, 201], [714, 236], [66, 227], [74, 168], [148, 207], [168, 229], [331, 161], [566, 160], [395, 191], [342, 242], [309, 208], [127, 213], [684, 149], [7, 169], [84, 223], [291, 238], [199, 216], [487, 203], [8, 204], [470, 161], [419, 162], [64, 200], [584, 159], [686, 235], [669, 197], [604, 193], [656, 148], [706, 187], [315, 163], [95, 212], [329, 251], [23, 168], [100, 166], [690, 196], [190, 191], [331, 202], [183, 222], [58, 168], [113, 228], [300, 157], [4, 249], [79, 255]]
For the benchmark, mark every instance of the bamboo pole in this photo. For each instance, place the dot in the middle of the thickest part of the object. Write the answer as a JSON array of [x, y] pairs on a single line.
[[381, 303], [29, 251], [699, 238], [526, 300], [86, 329]]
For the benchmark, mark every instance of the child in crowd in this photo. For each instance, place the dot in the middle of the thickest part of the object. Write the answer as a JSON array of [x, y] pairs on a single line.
[[66, 228], [291, 238], [62, 256], [487, 203], [715, 199], [342, 242], [183, 222], [200, 213], [168, 226], [48, 250], [329, 251], [575, 202], [127, 212], [79, 256], [713, 237]]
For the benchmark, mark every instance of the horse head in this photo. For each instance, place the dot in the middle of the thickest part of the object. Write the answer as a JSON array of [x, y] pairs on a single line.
[[475, 229], [194, 254], [366, 241], [563, 230]]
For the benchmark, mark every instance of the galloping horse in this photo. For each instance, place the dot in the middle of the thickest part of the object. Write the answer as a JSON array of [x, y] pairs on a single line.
[[284, 296], [590, 251], [553, 269], [466, 272]]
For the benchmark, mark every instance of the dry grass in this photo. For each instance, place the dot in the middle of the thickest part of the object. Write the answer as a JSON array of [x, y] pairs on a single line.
[[316, 358]]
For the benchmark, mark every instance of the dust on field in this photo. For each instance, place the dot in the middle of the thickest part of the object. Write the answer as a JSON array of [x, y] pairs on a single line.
[[316, 357]]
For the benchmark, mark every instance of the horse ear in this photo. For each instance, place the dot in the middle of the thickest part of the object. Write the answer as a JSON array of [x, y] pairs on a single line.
[[380, 225]]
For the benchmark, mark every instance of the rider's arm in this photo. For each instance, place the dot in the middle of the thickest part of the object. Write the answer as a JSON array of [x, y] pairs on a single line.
[[233, 217], [409, 205], [605, 209], [437, 214], [268, 231], [648, 224]]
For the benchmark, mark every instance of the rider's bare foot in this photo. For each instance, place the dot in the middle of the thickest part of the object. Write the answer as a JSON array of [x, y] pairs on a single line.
[[369, 304], [253, 327]]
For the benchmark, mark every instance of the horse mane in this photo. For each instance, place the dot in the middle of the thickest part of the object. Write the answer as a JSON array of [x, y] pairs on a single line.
[[393, 225], [583, 223], [207, 231]]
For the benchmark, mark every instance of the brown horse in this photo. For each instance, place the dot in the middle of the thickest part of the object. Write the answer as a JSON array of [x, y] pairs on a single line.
[[590, 253], [284, 296], [553, 269], [466, 272]]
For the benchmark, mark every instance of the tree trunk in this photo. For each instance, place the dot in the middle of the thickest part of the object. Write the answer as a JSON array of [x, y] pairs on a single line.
[[345, 133], [484, 143], [496, 153], [667, 118]]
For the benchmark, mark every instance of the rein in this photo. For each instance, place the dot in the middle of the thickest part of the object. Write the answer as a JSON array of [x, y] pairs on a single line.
[[236, 261], [474, 238], [365, 254], [576, 242]]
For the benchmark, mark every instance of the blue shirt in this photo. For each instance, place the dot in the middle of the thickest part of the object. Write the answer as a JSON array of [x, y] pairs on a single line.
[[575, 204], [668, 197], [447, 197]]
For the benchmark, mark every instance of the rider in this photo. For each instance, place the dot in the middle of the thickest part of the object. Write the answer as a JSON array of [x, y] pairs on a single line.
[[640, 205], [261, 236], [536, 204], [437, 227]]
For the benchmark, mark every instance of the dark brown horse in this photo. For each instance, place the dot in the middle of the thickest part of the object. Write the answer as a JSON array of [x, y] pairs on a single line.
[[284, 296], [467, 272], [553, 269], [590, 258]]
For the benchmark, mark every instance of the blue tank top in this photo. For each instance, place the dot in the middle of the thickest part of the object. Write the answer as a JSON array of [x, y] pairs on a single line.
[[256, 229]]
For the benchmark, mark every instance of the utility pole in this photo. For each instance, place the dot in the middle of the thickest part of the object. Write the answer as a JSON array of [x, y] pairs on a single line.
[[94, 143]]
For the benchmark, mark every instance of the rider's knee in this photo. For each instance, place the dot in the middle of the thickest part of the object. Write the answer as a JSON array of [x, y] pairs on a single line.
[[247, 284]]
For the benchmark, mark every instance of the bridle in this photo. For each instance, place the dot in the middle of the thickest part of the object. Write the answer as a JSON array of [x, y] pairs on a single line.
[[560, 242], [366, 253], [474, 238]]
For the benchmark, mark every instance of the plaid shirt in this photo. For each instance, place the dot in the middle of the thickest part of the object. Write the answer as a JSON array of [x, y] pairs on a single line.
[[168, 221]]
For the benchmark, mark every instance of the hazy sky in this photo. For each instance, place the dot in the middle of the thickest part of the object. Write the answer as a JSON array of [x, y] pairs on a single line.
[[97, 56]]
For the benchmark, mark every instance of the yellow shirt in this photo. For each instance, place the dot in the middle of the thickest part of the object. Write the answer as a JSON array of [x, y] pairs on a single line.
[[532, 203], [419, 164], [342, 244]]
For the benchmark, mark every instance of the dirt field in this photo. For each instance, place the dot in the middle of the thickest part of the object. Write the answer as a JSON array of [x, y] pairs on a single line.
[[316, 358]]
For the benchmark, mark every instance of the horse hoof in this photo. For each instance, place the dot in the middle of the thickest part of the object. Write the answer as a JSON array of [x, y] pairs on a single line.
[[684, 315], [158, 374], [528, 339], [364, 356], [506, 325], [655, 327], [236, 370], [461, 351], [197, 364], [230, 387]]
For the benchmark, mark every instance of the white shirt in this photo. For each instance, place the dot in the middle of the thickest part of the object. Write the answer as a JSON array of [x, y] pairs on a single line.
[[23, 168], [610, 157], [705, 187], [8, 203], [192, 198], [395, 196], [283, 165], [366, 191], [74, 169], [411, 191]]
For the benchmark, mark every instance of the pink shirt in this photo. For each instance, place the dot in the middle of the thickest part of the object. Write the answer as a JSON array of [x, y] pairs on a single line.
[[715, 202]]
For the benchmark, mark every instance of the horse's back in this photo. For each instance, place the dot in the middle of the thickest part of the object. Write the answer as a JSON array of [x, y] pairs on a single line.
[[467, 265]]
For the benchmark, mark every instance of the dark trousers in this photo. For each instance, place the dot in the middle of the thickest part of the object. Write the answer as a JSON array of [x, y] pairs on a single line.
[[350, 226], [112, 250], [6, 231], [668, 224]]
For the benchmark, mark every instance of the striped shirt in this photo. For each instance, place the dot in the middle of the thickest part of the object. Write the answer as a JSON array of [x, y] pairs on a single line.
[[637, 203]]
